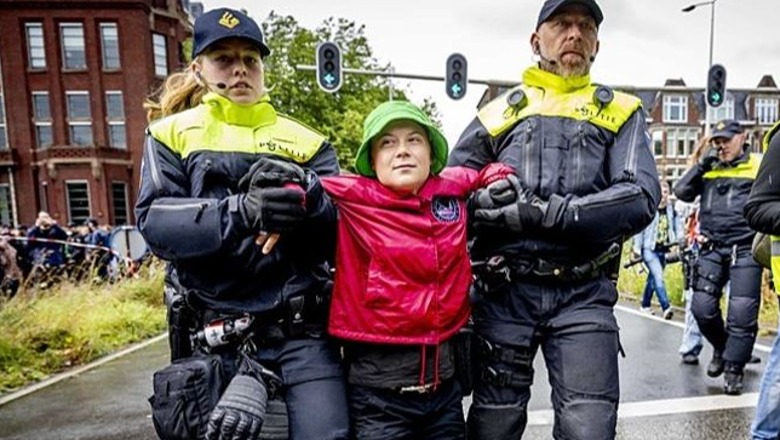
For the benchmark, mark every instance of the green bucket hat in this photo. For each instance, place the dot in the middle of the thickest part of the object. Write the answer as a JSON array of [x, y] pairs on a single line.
[[392, 111]]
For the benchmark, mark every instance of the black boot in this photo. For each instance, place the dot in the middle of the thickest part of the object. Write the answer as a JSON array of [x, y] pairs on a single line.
[[715, 368], [733, 380]]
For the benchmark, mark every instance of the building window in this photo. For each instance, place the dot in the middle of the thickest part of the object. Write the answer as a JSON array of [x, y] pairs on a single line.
[[119, 198], [42, 119], [115, 114], [78, 201], [675, 108], [725, 111], [36, 55], [109, 42], [160, 55], [681, 142], [658, 143], [79, 118], [766, 110], [73, 53], [6, 208], [3, 137]]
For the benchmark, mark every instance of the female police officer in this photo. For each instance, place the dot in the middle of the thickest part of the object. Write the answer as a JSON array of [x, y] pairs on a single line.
[[193, 212]]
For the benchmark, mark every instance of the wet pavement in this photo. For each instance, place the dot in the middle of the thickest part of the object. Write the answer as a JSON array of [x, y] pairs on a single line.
[[661, 398]]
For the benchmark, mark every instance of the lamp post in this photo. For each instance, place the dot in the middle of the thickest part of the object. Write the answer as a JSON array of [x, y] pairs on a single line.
[[690, 8]]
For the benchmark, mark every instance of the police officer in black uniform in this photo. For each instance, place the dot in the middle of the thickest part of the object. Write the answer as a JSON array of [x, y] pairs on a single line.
[[723, 178], [546, 247], [218, 181]]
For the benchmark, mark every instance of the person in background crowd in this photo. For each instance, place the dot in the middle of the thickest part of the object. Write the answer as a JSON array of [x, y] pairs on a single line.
[[762, 212], [211, 197], [722, 178], [49, 254], [651, 245], [546, 259]]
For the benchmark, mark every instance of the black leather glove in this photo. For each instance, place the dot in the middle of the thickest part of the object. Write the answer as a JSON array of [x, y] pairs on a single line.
[[240, 412], [526, 212], [274, 209], [499, 193], [709, 159], [271, 171]]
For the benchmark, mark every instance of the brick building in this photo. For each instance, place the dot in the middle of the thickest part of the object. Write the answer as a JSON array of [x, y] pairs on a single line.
[[73, 78]]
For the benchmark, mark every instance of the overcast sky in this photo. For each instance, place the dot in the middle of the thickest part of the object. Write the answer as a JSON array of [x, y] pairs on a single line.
[[643, 42]]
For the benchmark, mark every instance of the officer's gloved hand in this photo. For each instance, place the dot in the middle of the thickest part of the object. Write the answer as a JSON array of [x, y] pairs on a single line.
[[499, 193], [271, 171], [273, 209], [526, 212], [240, 412], [709, 159]]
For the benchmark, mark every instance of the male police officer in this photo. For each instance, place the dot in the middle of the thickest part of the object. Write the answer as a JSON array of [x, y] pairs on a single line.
[[586, 180], [723, 177]]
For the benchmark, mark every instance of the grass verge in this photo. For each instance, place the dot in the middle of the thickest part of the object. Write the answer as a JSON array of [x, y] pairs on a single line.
[[48, 331]]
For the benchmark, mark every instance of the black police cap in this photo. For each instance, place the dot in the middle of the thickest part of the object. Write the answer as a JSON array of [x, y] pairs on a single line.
[[222, 23], [727, 128], [552, 7]]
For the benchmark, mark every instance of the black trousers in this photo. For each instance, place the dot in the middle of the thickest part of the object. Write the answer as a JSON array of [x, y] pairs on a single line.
[[714, 268], [382, 414]]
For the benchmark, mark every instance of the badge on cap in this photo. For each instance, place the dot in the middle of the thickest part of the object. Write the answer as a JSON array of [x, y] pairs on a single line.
[[228, 20], [721, 126]]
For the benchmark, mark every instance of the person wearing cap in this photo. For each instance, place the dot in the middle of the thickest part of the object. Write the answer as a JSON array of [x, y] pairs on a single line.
[[545, 262], [723, 178], [223, 171], [762, 212], [45, 243], [402, 276]]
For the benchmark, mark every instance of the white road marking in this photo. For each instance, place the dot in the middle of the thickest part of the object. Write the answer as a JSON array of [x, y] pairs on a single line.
[[664, 407], [759, 347]]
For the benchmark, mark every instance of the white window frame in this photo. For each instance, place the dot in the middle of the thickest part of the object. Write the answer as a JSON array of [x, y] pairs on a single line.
[[160, 52], [63, 45], [42, 122], [103, 53], [4, 136], [127, 201], [74, 122], [116, 121], [725, 111], [766, 110], [689, 136], [67, 197], [675, 101], [35, 62]]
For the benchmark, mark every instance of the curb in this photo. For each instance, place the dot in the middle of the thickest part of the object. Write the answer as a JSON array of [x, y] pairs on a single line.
[[51, 380]]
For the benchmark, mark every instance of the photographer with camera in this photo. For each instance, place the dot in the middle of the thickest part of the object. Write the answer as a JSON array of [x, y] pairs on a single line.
[[652, 246], [723, 178]]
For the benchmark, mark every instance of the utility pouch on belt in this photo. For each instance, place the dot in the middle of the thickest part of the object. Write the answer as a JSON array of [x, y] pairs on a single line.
[[185, 392], [464, 348]]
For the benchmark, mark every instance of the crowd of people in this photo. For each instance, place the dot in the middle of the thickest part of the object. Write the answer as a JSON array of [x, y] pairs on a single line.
[[48, 252], [348, 296]]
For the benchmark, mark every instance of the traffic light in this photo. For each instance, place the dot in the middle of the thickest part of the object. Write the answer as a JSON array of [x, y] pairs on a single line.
[[457, 76], [716, 85], [329, 67]]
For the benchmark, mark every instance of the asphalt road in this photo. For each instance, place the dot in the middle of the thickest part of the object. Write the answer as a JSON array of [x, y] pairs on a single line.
[[661, 398]]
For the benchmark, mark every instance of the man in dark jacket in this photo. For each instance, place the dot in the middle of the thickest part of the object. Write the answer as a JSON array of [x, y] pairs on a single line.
[[723, 178], [586, 181]]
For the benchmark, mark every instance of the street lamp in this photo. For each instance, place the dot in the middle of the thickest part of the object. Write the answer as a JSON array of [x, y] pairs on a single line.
[[690, 8]]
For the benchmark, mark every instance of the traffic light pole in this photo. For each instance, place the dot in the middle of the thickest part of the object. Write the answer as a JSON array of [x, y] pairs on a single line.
[[487, 82]]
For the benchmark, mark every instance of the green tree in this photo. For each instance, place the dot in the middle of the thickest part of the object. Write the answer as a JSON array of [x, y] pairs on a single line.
[[340, 115]]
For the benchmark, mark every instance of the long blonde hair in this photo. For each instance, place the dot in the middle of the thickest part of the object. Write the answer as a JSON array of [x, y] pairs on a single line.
[[180, 91]]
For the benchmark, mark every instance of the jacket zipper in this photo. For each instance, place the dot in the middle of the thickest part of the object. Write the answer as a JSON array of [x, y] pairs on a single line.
[[528, 146], [578, 159], [631, 160]]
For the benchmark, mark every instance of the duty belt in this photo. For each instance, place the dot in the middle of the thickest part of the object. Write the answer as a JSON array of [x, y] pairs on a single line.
[[500, 266]]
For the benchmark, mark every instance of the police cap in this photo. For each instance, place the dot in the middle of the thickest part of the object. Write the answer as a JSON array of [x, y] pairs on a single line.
[[219, 24], [552, 7], [727, 128]]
